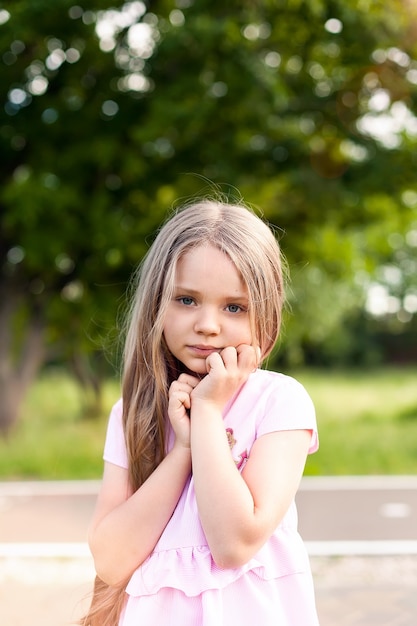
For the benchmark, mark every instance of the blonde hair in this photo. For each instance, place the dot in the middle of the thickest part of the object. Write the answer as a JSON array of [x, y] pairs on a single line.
[[149, 368]]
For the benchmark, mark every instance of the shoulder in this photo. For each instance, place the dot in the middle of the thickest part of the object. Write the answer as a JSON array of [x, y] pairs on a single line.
[[115, 445], [273, 385], [117, 410], [279, 402], [115, 422]]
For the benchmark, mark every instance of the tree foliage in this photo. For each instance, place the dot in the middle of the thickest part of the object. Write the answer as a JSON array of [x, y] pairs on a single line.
[[111, 111]]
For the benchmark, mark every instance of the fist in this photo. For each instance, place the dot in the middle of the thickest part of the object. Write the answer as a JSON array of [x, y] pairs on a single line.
[[179, 404]]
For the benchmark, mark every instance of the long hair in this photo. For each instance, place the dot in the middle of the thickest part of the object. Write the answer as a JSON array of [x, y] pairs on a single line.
[[149, 368]]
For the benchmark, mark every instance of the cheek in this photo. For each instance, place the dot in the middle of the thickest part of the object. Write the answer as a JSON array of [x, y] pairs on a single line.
[[245, 333], [172, 327]]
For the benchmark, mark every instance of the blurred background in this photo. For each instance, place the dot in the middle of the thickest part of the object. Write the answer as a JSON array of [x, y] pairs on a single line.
[[113, 113]]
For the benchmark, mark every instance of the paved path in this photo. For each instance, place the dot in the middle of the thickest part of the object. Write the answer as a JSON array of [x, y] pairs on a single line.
[[361, 534]]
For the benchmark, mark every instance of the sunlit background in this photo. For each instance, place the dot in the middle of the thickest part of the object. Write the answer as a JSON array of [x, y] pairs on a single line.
[[114, 113]]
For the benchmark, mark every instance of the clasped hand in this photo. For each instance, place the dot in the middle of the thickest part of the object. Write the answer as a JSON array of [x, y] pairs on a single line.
[[227, 371]]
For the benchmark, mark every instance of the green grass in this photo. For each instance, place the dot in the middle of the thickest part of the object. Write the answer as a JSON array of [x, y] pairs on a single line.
[[367, 421], [52, 441], [367, 424]]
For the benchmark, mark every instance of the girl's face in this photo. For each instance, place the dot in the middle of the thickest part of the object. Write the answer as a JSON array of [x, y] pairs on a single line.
[[208, 310]]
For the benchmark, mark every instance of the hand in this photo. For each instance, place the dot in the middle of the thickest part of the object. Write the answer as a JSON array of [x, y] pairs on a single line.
[[179, 404], [227, 371]]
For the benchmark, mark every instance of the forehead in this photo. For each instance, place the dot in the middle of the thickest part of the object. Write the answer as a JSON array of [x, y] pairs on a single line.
[[207, 265]]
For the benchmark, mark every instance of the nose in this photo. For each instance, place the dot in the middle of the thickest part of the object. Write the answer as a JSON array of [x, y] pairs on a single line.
[[207, 322]]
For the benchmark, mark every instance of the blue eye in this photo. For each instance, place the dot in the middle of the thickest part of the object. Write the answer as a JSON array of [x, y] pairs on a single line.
[[234, 308], [186, 300]]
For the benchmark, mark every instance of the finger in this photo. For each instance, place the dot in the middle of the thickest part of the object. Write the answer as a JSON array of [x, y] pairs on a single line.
[[182, 386], [215, 361], [184, 398], [248, 357], [188, 379], [259, 354], [180, 398], [176, 387], [229, 356]]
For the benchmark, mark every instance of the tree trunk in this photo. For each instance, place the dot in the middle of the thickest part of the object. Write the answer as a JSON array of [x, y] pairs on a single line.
[[20, 360], [9, 406], [90, 382]]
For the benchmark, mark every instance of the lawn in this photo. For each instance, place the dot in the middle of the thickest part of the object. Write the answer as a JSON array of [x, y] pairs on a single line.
[[52, 440], [367, 421], [367, 425]]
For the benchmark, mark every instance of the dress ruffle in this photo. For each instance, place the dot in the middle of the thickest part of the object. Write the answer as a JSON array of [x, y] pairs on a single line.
[[193, 570]]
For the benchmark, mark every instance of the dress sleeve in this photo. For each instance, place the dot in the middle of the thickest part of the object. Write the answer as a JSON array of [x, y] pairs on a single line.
[[115, 446], [289, 407]]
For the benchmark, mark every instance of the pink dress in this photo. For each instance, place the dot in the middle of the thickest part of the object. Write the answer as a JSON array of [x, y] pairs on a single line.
[[179, 584]]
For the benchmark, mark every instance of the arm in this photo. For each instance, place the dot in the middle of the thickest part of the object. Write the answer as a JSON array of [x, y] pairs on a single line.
[[127, 525], [239, 512]]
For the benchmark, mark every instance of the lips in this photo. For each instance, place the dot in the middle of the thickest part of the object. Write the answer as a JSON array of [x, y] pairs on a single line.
[[202, 350]]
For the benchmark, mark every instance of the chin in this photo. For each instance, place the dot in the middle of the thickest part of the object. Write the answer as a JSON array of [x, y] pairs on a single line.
[[198, 370]]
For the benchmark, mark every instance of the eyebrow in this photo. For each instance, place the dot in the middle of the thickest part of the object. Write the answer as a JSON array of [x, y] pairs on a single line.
[[194, 292]]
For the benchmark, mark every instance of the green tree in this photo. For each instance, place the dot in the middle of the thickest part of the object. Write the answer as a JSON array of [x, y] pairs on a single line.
[[107, 113]]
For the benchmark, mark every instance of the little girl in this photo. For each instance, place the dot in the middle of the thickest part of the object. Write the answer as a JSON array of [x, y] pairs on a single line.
[[195, 523]]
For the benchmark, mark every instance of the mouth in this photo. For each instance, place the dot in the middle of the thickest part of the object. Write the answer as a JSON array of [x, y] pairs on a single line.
[[202, 350]]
